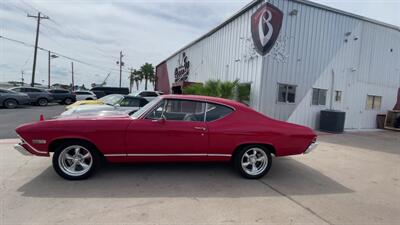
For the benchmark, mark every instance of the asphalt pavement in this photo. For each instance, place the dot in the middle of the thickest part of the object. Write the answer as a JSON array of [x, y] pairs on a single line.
[[11, 118]]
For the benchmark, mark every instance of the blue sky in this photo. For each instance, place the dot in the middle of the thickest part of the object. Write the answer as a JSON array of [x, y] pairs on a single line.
[[146, 31]]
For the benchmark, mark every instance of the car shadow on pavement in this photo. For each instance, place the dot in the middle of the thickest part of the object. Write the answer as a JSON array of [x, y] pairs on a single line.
[[184, 180]]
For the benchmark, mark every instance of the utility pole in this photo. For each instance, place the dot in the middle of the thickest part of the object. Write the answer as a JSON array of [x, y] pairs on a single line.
[[121, 64], [38, 17], [22, 78], [50, 57], [72, 73]]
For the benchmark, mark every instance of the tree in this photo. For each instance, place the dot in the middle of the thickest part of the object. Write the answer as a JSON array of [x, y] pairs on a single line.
[[135, 77], [147, 73], [216, 88]]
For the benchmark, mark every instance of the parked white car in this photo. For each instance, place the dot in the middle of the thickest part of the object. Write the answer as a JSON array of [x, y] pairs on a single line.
[[85, 95], [148, 95]]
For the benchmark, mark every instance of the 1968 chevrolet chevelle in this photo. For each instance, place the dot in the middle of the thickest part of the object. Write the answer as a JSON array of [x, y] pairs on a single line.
[[170, 128]]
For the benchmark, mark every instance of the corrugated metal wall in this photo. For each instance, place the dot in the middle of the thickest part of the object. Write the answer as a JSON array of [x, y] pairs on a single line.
[[314, 44], [227, 55]]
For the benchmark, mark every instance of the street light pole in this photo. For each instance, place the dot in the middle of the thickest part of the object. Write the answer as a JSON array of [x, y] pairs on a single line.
[[50, 56]]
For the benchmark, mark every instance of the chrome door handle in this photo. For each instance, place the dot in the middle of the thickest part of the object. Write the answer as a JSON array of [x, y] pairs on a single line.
[[200, 128]]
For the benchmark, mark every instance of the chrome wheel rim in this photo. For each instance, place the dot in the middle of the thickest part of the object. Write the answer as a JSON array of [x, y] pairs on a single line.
[[75, 160], [254, 161], [68, 101]]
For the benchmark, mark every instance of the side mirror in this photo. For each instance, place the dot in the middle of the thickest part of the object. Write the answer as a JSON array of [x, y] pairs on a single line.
[[117, 105]]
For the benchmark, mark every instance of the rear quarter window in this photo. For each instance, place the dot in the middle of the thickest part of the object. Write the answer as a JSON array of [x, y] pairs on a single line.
[[216, 111]]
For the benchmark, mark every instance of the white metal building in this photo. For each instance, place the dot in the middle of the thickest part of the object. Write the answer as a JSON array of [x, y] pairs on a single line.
[[300, 57]]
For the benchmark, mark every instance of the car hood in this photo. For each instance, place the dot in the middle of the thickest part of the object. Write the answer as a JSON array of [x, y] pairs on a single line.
[[85, 102], [93, 115]]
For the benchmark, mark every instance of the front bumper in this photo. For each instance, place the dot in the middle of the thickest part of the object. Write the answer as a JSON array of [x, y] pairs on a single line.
[[21, 149], [311, 147]]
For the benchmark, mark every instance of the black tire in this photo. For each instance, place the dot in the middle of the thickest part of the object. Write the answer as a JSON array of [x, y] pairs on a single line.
[[10, 103], [61, 162], [67, 101], [264, 165], [42, 102]]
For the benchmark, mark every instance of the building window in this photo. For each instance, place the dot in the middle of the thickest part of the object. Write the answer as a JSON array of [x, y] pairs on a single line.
[[338, 96], [286, 93], [319, 96], [373, 102]]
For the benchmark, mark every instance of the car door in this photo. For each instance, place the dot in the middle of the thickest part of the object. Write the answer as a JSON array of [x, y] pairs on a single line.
[[34, 94], [175, 129]]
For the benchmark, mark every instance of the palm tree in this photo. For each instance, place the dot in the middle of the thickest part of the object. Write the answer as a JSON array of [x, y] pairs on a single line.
[[147, 73], [135, 77]]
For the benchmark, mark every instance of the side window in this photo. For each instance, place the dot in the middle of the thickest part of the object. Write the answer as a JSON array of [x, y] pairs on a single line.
[[130, 102], [215, 111], [18, 89], [143, 102], [180, 110], [148, 94], [286, 93], [319, 96], [157, 112], [32, 90]]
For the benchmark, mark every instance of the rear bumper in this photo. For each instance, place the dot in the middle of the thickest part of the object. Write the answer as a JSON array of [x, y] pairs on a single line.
[[311, 147], [21, 149]]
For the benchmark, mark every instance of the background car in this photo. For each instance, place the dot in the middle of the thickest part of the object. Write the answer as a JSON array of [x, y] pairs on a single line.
[[85, 95], [170, 128], [127, 105], [62, 96], [11, 99], [149, 95], [103, 91], [37, 96], [110, 99]]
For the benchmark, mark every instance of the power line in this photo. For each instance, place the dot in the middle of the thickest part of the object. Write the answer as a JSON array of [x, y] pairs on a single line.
[[59, 54]]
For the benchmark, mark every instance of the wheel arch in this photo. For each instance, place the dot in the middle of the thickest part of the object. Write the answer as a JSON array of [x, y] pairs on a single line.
[[4, 101], [57, 142], [268, 146]]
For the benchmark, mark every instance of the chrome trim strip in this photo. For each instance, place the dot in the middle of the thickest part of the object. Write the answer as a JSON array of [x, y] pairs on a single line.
[[220, 155], [311, 147], [183, 154], [155, 155], [30, 146], [22, 150], [114, 155]]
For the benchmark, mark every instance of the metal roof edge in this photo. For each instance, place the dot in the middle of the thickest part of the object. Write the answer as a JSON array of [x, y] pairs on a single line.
[[255, 2]]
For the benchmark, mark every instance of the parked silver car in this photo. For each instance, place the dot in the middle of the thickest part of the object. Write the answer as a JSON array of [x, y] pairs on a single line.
[[37, 96], [11, 99]]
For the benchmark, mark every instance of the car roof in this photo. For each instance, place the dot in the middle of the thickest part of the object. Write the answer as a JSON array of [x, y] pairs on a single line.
[[217, 100]]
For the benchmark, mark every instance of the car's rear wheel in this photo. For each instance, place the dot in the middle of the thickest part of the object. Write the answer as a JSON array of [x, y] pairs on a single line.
[[42, 102], [68, 101], [75, 160], [10, 103], [253, 161]]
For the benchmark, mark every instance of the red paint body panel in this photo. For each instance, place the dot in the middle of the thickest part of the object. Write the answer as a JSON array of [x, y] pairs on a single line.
[[125, 139]]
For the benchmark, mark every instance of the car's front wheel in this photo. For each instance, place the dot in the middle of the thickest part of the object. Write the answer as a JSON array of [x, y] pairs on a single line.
[[253, 161], [75, 160], [10, 103]]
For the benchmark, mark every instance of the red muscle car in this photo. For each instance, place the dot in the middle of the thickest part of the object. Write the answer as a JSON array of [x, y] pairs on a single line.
[[170, 128]]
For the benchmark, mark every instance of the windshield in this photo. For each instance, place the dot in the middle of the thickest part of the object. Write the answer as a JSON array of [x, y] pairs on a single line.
[[111, 99], [144, 109]]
